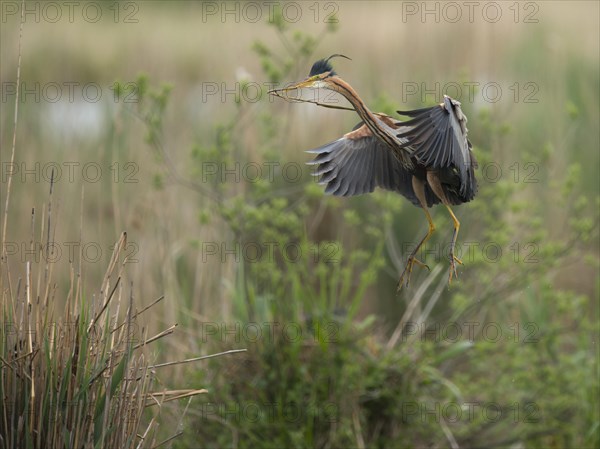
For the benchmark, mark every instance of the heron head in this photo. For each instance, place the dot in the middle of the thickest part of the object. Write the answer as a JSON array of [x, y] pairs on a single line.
[[320, 72]]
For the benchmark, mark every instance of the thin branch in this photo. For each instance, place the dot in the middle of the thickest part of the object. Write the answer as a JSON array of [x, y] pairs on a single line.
[[136, 314], [174, 395], [278, 93], [195, 359], [14, 141], [156, 337]]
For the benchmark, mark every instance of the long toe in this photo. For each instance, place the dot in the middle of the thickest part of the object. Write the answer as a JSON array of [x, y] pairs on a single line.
[[422, 264], [453, 271], [405, 274], [408, 271]]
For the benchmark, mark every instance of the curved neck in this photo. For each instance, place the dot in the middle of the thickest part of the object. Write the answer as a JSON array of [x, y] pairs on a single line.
[[379, 129]]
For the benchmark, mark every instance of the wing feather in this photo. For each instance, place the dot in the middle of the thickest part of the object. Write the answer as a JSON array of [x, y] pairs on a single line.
[[438, 138], [359, 162]]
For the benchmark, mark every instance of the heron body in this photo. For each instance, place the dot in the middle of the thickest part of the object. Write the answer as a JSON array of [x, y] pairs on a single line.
[[427, 159]]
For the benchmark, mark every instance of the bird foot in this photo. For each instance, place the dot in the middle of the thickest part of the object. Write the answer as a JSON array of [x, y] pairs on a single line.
[[453, 260], [408, 270]]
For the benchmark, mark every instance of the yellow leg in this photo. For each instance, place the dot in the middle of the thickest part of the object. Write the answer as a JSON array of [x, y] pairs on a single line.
[[453, 258], [419, 189], [434, 182]]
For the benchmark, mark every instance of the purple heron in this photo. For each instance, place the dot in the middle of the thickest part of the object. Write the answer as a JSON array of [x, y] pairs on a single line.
[[427, 159]]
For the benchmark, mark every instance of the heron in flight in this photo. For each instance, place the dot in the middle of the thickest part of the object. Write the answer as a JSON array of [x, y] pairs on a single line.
[[427, 159]]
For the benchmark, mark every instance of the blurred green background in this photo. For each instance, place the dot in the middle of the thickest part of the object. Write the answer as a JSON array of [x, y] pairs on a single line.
[[155, 118]]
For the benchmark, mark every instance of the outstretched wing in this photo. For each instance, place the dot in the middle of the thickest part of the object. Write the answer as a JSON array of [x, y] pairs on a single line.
[[438, 136], [357, 163]]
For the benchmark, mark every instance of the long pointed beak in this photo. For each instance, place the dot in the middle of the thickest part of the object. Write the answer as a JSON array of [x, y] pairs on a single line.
[[308, 82]]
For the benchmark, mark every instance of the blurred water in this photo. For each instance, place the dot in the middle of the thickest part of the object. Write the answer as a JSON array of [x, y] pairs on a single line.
[[78, 118]]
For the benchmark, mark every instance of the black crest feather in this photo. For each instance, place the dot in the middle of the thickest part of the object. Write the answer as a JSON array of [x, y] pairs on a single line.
[[323, 65]]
